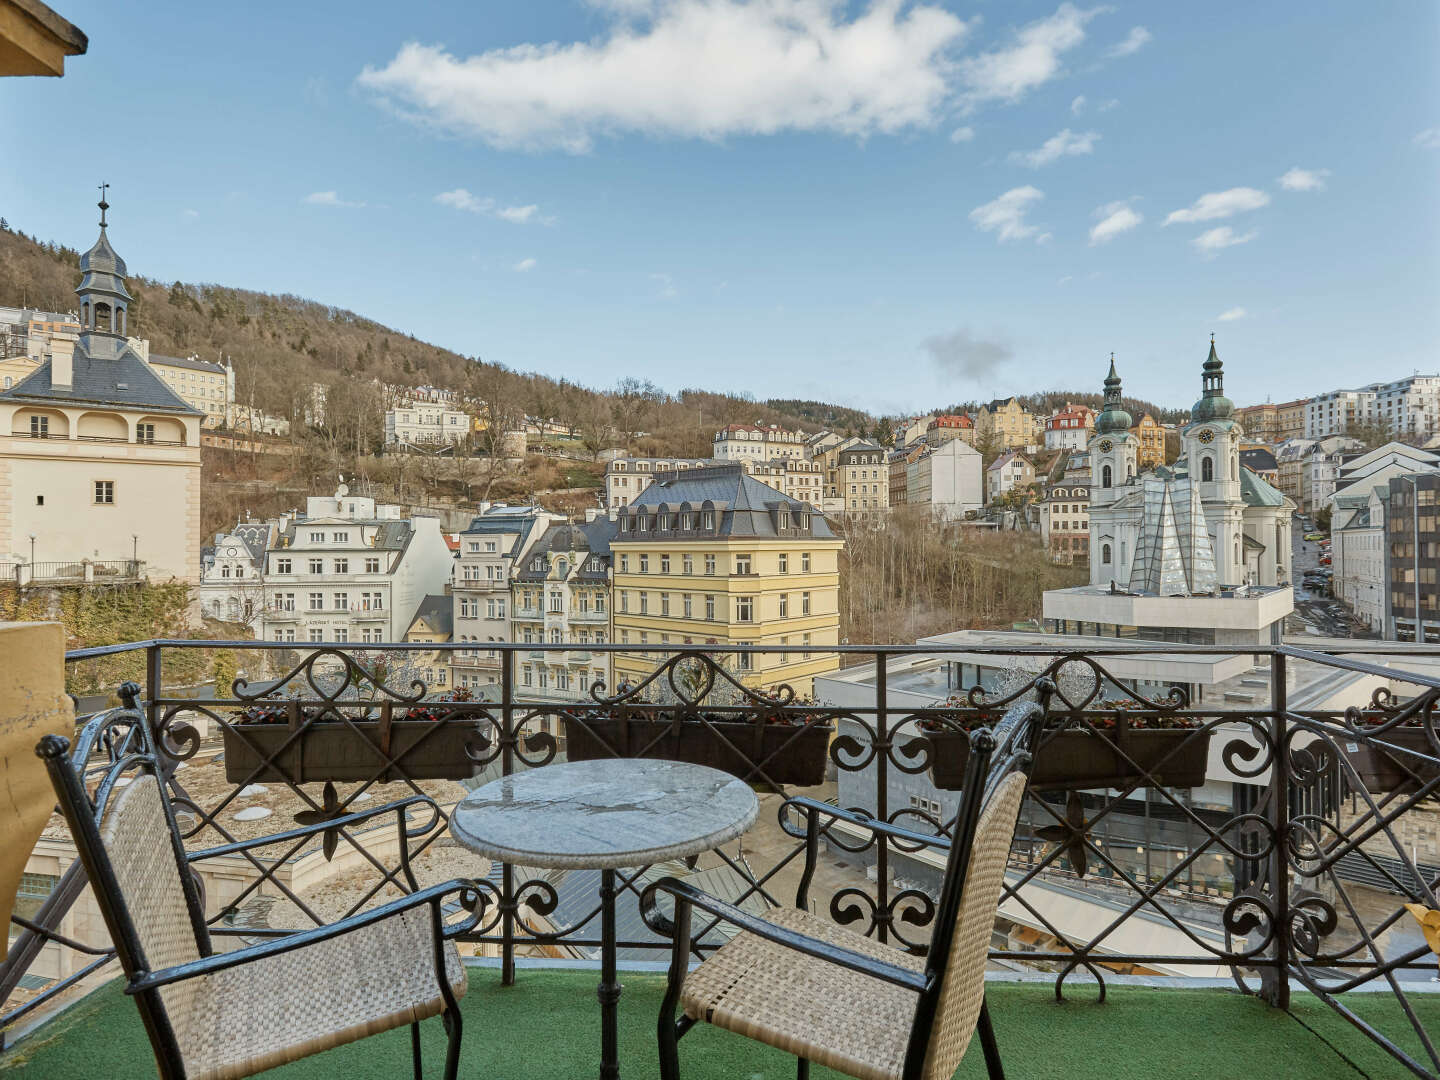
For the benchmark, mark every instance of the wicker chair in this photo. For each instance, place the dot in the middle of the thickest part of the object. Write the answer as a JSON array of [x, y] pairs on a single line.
[[802, 984], [220, 1016]]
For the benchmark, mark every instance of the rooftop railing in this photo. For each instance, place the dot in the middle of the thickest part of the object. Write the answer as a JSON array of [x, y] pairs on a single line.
[[1276, 845]]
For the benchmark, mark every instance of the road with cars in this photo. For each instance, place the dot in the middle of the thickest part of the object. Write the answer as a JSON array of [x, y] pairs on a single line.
[[1317, 611]]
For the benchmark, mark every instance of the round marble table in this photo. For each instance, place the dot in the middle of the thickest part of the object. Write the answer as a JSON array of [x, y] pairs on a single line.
[[606, 814]]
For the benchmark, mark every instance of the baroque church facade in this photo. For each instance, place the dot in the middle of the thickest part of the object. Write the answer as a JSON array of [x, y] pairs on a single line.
[[1198, 527]]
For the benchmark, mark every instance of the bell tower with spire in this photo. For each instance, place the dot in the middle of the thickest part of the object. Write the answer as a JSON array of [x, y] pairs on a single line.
[[104, 300], [1114, 448]]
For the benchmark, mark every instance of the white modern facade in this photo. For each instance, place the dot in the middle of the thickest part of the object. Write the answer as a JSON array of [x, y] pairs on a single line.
[[349, 570], [1336, 412], [948, 480]]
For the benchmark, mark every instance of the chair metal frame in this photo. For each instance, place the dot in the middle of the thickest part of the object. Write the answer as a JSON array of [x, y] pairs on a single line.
[[84, 814], [1009, 745]]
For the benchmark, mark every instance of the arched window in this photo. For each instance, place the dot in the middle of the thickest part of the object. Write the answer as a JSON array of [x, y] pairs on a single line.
[[1105, 554], [1105, 476], [1207, 468], [102, 317], [1235, 467]]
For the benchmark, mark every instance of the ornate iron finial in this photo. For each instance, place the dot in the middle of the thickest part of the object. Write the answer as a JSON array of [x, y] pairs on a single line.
[[103, 204]]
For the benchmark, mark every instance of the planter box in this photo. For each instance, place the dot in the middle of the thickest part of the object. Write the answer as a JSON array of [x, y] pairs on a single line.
[[1382, 772], [800, 752], [1080, 759], [332, 750]]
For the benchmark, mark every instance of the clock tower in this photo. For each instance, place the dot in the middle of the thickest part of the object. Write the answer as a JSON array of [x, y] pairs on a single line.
[[1114, 448], [1211, 445]]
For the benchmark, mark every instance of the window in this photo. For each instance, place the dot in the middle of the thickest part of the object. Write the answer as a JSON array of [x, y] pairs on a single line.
[[664, 603], [624, 601], [686, 606], [282, 566], [340, 538], [489, 545], [806, 654], [687, 565], [804, 603], [317, 566], [145, 433], [1207, 469], [317, 634], [710, 565], [784, 562], [1105, 476], [317, 537], [644, 603], [710, 608], [1105, 554], [664, 564], [104, 492], [372, 566], [784, 605], [707, 519], [39, 427], [804, 562], [340, 601], [742, 564], [644, 564], [317, 601], [744, 609], [342, 566]]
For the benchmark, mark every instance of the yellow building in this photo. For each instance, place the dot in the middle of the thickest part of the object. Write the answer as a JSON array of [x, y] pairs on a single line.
[[433, 622], [1007, 424], [714, 557], [203, 385], [1152, 443], [1291, 420]]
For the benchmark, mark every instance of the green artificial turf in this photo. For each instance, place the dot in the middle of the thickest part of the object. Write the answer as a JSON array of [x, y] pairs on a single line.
[[547, 1026]]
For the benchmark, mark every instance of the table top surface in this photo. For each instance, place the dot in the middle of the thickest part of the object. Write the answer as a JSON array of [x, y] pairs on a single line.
[[604, 814]]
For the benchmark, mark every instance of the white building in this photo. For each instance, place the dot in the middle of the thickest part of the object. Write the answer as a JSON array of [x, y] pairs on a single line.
[[742, 442], [948, 480], [561, 596], [425, 424], [1357, 551], [498, 538], [232, 573], [99, 459], [1379, 465], [1336, 412], [1408, 407], [351, 570], [627, 477], [1007, 472], [799, 478]]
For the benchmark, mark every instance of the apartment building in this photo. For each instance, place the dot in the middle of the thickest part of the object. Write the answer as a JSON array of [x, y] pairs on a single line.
[[1152, 443], [1336, 412], [1291, 416], [714, 557], [1409, 407], [1065, 520], [425, 424], [947, 481], [1007, 472], [25, 335], [351, 570], [205, 386], [627, 477], [99, 458], [232, 573], [560, 595], [896, 462], [752, 442], [1006, 423], [799, 478], [857, 478], [911, 431], [1261, 461], [1290, 466], [1413, 540], [1069, 428], [433, 622], [1260, 422], [1358, 550], [497, 540], [951, 426]]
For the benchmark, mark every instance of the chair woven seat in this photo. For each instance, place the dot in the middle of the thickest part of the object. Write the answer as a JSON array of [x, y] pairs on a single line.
[[280, 1009], [811, 1008]]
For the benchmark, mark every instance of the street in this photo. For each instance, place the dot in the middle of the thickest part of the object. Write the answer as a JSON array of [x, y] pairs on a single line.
[[1316, 611]]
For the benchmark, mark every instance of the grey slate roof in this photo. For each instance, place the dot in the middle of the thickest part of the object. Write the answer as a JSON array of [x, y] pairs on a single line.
[[254, 534], [97, 381], [506, 519], [438, 611], [744, 501], [188, 362]]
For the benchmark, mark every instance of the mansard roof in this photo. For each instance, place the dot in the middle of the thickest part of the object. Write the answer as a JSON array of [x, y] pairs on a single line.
[[124, 381]]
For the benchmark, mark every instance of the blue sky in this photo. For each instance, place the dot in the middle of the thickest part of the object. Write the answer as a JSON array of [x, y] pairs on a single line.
[[892, 205]]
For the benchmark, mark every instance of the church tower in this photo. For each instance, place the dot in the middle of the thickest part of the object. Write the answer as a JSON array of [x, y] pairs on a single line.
[[1211, 445], [1114, 448], [104, 300]]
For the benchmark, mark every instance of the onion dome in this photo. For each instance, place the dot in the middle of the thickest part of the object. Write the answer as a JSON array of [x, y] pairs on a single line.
[[1213, 404], [1113, 418]]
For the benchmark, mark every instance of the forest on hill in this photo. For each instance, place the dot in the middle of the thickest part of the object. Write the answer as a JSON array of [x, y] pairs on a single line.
[[282, 345]]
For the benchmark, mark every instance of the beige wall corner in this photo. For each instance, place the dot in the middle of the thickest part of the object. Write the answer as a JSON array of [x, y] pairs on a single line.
[[32, 703]]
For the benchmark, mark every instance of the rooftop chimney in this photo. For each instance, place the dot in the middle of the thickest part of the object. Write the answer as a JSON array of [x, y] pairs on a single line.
[[62, 360]]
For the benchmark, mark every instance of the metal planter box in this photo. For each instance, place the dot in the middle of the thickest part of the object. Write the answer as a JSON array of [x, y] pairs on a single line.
[[1174, 757], [799, 752], [334, 750], [1383, 772]]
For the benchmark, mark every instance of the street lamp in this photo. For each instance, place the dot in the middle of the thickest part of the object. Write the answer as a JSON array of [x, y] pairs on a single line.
[[32, 553]]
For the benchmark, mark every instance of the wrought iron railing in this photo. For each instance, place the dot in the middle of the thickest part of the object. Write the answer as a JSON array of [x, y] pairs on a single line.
[[98, 571], [1291, 867]]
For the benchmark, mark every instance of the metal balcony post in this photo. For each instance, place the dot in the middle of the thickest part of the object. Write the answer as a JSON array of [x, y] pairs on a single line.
[[882, 799], [1277, 992], [507, 766], [153, 689]]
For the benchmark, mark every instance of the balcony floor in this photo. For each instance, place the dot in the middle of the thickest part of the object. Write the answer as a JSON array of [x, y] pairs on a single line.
[[547, 1026]]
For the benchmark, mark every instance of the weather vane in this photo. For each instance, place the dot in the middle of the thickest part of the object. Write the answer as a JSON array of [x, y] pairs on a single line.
[[103, 204]]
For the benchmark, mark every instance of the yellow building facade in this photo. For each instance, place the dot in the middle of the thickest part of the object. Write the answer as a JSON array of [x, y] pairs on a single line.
[[717, 558], [1008, 424], [1152, 443]]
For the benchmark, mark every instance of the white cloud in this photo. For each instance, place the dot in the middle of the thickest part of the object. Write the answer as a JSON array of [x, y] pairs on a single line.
[[1232, 314], [189, 215], [460, 199], [1134, 41], [524, 266], [1065, 144], [1429, 139], [1220, 204], [1210, 243], [962, 134], [1077, 105], [690, 69], [1067, 278], [666, 284], [1112, 220], [1006, 215], [330, 198], [1008, 74], [1298, 179], [1106, 106]]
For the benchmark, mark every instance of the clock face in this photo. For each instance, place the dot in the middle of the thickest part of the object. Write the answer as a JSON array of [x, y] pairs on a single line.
[[1106, 446], [1206, 436]]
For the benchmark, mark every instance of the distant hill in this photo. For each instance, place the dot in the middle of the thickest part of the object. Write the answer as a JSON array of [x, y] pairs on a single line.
[[1046, 402], [282, 344]]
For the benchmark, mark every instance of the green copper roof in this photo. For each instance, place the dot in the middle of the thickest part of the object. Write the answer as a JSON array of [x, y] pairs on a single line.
[[1255, 491], [1213, 404], [1113, 418]]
